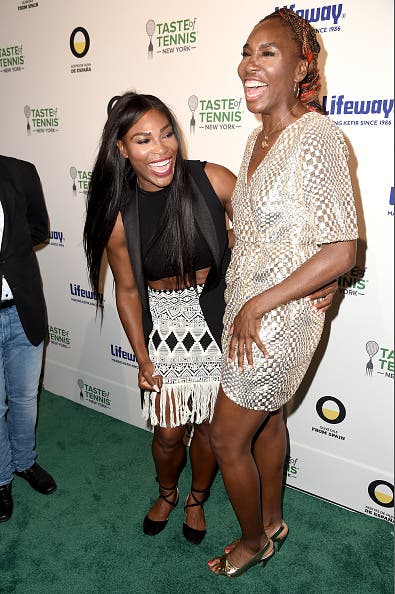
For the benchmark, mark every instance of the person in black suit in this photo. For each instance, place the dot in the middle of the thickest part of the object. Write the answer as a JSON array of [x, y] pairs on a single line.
[[23, 325]]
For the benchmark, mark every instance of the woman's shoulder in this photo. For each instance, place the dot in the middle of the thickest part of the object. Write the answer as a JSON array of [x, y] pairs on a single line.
[[314, 121], [320, 127]]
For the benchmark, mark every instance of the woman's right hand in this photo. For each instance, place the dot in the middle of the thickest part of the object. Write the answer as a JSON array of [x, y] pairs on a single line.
[[148, 378]]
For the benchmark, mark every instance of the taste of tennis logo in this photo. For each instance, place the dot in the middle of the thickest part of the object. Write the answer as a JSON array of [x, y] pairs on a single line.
[[59, 336], [291, 467], [381, 360], [171, 37], [354, 282], [381, 492], [79, 46], [94, 395], [332, 412], [80, 179], [12, 58], [214, 113], [41, 119]]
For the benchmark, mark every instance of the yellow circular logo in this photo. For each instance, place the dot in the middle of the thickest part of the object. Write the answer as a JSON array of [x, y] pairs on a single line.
[[382, 493], [79, 42], [331, 410]]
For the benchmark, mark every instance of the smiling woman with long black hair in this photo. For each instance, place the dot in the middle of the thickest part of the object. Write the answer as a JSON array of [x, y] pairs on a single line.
[[161, 220]]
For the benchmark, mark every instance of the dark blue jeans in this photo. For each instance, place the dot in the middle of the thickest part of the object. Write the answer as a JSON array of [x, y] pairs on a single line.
[[20, 367]]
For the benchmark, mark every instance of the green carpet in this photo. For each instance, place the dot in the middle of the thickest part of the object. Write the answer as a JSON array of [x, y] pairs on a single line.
[[86, 538]]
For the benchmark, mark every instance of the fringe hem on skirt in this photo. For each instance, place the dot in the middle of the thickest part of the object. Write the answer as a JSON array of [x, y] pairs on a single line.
[[188, 403]]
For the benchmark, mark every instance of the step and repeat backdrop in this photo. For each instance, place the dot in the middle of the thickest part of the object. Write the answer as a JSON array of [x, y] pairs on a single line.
[[62, 63]]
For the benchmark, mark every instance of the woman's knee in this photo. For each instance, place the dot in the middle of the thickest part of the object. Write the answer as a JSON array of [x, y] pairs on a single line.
[[168, 439], [222, 444]]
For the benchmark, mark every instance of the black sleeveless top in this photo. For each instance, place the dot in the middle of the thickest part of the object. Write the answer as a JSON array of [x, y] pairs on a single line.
[[151, 206], [209, 220]]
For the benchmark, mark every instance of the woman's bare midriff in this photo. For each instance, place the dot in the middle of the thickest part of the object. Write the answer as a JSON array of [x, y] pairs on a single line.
[[170, 283]]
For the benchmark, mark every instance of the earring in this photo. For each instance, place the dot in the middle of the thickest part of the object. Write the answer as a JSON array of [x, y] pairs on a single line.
[[296, 89]]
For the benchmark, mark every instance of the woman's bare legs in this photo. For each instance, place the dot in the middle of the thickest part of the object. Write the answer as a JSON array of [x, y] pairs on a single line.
[[232, 432], [269, 453], [168, 451], [204, 466]]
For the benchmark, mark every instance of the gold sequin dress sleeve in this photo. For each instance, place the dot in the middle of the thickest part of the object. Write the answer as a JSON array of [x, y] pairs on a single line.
[[299, 198]]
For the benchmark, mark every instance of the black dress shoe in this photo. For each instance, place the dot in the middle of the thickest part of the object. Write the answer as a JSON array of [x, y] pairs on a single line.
[[6, 505], [192, 534], [153, 527], [39, 479]]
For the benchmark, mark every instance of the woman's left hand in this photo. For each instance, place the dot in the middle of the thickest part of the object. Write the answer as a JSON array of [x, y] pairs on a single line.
[[324, 295], [245, 331]]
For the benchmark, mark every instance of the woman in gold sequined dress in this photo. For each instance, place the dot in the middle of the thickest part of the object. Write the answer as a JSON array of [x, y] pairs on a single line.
[[295, 230]]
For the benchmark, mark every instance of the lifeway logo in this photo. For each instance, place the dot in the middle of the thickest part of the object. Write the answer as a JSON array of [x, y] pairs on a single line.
[[85, 296], [171, 37], [215, 113], [358, 112], [329, 15], [56, 238], [391, 203], [119, 355], [354, 282]]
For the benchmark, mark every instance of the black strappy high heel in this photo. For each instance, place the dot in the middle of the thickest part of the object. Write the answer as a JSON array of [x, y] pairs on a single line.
[[153, 527], [191, 534]]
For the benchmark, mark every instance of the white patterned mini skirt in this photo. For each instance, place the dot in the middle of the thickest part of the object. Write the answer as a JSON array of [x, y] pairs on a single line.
[[187, 357]]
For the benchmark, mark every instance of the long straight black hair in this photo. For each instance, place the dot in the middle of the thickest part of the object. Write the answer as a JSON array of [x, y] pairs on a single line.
[[108, 186]]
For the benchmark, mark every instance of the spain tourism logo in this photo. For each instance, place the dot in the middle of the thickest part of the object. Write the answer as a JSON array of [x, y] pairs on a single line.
[[381, 492], [79, 42], [79, 46], [27, 5], [332, 412]]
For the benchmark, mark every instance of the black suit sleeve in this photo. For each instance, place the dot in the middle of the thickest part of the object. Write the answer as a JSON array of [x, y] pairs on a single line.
[[36, 211]]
